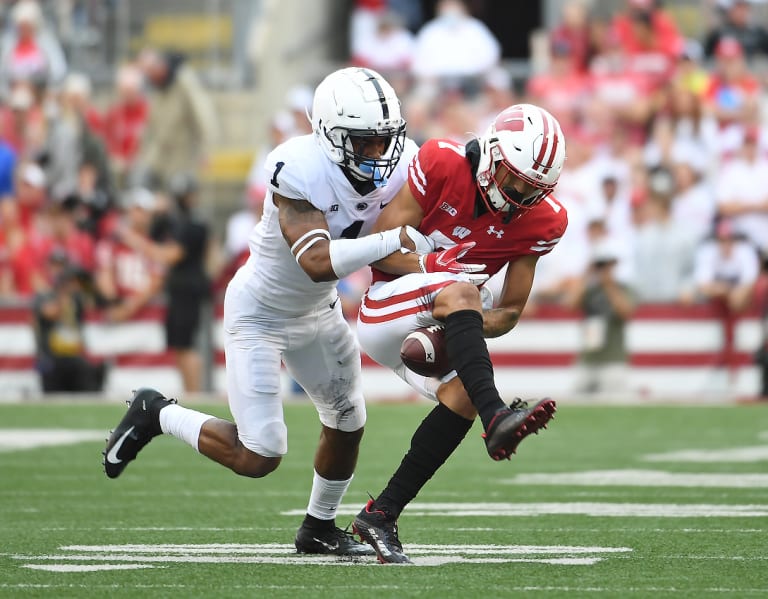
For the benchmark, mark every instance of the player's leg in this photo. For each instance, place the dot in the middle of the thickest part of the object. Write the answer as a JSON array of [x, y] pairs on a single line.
[[460, 306], [386, 319], [328, 368], [151, 414], [255, 445], [443, 429]]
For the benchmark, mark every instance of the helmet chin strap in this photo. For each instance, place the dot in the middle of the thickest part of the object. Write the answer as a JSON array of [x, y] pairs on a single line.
[[507, 208]]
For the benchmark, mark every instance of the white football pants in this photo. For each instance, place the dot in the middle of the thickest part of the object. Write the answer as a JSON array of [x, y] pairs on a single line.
[[319, 351]]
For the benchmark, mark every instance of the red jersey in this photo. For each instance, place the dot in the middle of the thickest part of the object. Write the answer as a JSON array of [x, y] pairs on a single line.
[[124, 128], [131, 270], [442, 180]]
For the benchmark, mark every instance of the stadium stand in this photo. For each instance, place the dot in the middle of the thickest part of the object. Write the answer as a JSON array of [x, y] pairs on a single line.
[[674, 352]]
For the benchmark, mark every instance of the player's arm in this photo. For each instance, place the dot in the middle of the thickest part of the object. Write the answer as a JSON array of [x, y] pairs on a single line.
[[402, 210], [514, 295], [324, 259]]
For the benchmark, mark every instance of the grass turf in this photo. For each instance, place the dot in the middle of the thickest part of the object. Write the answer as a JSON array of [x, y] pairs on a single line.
[[58, 510]]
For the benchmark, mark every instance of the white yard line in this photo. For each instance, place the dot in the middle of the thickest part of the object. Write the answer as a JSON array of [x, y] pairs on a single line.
[[756, 453], [85, 567], [147, 555], [16, 439], [643, 478], [601, 509], [273, 548]]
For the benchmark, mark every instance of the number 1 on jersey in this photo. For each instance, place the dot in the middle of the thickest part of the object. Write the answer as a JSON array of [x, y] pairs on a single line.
[[273, 180]]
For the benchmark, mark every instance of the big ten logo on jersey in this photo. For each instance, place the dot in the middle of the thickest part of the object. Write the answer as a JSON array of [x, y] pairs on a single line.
[[449, 209]]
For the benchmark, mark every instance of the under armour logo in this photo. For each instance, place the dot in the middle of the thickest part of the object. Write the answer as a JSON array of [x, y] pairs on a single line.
[[494, 231]]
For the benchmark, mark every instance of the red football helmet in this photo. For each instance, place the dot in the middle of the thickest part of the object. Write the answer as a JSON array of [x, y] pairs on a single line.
[[521, 156]]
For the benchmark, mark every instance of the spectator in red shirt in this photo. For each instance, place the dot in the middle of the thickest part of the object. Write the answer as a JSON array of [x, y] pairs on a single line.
[[54, 231], [616, 90], [629, 26], [649, 55], [125, 279], [23, 122], [561, 89], [125, 120], [29, 51], [574, 30]]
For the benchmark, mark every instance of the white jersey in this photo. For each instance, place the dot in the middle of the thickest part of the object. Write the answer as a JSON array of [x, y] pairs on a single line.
[[298, 169]]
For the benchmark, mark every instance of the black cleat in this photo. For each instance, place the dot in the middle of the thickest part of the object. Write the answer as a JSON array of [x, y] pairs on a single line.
[[380, 531], [332, 542], [138, 427], [512, 424]]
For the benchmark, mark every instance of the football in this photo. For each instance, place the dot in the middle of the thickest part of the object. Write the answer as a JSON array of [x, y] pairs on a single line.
[[423, 351]]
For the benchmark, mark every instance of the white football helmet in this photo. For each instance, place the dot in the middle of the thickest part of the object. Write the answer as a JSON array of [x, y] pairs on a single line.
[[356, 103], [527, 142]]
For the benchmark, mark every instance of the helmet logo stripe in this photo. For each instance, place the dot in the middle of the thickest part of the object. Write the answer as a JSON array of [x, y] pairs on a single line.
[[551, 158], [516, 121], [544, 145], [380, 91]]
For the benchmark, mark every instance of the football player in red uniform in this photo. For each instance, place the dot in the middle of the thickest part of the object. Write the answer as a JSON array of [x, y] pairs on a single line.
[[490, 202]]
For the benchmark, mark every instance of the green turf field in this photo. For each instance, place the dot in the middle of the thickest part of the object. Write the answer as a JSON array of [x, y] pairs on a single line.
[[609, 502]]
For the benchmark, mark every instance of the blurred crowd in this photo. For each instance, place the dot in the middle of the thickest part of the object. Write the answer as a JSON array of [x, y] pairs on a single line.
[[97, 201], [666, 179], [667, 143]]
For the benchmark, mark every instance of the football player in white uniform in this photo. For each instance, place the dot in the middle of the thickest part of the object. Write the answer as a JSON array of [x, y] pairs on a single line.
[[326, 190]]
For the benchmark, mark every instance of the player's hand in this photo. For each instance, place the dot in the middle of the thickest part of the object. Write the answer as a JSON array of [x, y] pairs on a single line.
[[449, 260], [414, 241]]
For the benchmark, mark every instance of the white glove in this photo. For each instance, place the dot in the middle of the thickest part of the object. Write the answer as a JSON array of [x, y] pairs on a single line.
[[424, 245]]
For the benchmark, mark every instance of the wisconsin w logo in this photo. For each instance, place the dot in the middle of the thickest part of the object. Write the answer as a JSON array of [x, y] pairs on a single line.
[[461, 232]]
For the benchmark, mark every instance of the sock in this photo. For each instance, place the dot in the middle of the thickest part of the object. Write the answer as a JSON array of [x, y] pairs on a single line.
[[468, 353], [318, 525], [438, 435], [183, 423], [326, 497]]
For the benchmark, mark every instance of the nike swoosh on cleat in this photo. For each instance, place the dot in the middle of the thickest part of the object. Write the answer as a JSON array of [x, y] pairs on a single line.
[[329, 546], [112, 455]]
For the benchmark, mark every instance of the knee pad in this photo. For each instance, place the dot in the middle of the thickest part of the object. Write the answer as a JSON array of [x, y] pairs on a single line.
[[347, 418], [270, 440]]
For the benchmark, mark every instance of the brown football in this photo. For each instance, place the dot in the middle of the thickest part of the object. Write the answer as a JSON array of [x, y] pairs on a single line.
[[423, 351]]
